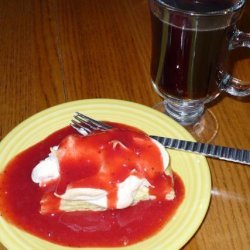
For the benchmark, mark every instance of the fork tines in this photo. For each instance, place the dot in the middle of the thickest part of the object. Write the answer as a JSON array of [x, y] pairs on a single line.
[[85, 125]]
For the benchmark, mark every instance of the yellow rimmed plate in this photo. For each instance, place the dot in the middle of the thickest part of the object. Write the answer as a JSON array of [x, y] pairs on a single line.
[[192, 168]]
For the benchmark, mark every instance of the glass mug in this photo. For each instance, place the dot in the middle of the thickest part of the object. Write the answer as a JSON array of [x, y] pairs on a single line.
[[191, 41]]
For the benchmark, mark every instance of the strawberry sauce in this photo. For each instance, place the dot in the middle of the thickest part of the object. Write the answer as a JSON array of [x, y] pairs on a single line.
[[20, 203]]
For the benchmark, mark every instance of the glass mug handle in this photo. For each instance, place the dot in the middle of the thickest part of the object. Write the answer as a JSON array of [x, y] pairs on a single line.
[[230, 84]]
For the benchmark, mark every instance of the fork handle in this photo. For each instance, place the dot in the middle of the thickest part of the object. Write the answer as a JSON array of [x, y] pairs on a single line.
[[214, 151]]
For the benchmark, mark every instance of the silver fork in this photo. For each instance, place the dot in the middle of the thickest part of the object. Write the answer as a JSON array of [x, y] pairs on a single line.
[[85, 125]]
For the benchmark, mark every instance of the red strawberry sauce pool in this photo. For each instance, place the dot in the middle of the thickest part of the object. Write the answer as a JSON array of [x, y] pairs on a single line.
[[20, 205]]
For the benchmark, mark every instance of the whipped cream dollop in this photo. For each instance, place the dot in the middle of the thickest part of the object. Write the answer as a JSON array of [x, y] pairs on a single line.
[[130, 191], [47, 169]]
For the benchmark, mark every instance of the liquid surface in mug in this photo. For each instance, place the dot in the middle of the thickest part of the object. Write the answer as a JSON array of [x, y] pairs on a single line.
[[186, 62], [201, 5]]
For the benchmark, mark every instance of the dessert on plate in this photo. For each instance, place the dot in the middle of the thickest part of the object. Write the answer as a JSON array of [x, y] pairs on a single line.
[[112, 169], [106, 189]]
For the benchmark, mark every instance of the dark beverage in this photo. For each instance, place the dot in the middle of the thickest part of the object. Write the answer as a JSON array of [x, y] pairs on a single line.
[[186, 62]]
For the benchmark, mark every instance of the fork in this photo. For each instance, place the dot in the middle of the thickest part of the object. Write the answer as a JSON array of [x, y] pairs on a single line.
[[85, 125]]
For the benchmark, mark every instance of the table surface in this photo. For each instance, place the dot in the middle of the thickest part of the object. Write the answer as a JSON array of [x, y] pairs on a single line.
[[53, 52]]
